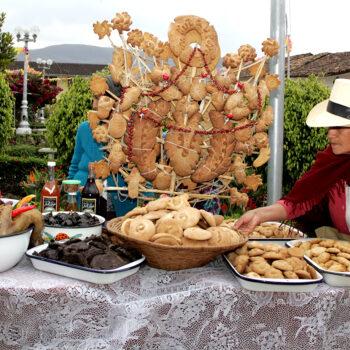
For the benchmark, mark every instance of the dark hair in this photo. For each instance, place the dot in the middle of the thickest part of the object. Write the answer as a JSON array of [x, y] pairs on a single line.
[[113, 87]]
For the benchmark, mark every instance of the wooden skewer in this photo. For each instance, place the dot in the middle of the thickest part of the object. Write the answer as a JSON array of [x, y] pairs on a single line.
[[124, 54], [172, 182], [179, 62], [262, 63], [112, 95], [239, 71], [135, 82], [207, 106], [112, 43], [150, 190]]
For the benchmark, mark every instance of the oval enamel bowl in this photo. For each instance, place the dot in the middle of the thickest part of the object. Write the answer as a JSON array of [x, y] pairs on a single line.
[[61, 233]]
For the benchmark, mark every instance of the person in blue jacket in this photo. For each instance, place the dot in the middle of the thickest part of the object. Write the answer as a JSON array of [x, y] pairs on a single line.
[[87, 150]]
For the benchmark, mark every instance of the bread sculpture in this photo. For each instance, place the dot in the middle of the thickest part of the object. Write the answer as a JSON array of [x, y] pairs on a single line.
[[185, 124]]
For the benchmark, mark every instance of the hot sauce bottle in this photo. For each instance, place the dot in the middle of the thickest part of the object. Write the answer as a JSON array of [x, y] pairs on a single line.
[[50, 193]]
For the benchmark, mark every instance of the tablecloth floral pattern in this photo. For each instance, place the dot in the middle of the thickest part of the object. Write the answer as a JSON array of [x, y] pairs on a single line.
[[202, 308]]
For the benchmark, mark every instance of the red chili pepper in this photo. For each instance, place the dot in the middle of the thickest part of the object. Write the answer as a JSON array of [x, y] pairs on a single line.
[[22, 210]]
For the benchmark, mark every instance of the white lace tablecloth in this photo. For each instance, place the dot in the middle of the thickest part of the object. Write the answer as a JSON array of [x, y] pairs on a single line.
[[202, 308]]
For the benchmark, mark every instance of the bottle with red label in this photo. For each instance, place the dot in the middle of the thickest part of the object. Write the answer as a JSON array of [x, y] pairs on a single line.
[[50, 193]]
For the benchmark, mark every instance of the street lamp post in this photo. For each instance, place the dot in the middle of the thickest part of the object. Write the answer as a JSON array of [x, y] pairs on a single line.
[[44, 65], [26, 36]]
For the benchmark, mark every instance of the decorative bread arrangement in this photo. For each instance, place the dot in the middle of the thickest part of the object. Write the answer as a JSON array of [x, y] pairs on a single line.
[[181, 123], [331, 255], [257, 260], [173, 235]]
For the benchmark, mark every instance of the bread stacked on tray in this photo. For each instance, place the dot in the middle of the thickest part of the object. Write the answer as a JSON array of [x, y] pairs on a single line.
[[275, 230], [258, 260], [270, 230], [172, 221], [332, 255]]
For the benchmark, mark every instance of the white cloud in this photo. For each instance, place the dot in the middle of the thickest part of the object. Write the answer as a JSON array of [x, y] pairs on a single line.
[[316, 25]]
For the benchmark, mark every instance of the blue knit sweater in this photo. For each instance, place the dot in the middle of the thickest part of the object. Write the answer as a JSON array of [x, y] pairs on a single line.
[[87, 150]]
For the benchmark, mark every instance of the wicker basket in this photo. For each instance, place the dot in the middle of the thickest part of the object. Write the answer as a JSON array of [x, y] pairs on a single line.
[[169, 257]]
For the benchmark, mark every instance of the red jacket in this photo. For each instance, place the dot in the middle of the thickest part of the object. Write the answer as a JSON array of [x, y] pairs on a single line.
[[337, 210]]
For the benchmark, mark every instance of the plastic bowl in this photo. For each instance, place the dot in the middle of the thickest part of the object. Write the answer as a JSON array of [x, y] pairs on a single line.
[[60, 233], [12, 248]]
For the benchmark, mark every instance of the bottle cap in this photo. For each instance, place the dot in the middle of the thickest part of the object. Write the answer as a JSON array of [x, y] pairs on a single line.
[[71, 182], [51, 163]]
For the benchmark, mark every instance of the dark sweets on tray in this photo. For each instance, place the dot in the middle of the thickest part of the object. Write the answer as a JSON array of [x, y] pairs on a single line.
[[72, 219], [95, 252]]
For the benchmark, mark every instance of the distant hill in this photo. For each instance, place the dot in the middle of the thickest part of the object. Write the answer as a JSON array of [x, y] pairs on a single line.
[[72, 53]]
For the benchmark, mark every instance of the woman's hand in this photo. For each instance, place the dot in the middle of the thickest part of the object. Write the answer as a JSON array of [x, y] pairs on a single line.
[[252, 218], [248, 221]]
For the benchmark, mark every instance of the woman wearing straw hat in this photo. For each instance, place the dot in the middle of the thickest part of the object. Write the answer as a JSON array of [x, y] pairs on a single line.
[[329, 176]]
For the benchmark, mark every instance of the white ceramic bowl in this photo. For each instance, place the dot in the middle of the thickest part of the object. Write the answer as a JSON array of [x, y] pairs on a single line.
[[9, 200], [80, 272], [12, 248], [60, 233]]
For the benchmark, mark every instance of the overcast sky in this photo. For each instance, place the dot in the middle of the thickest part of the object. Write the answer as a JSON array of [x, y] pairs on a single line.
[[315, 25]]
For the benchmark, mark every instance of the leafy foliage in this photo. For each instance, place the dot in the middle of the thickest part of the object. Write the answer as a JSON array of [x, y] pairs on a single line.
[[13, 171], [6, 112], [22, 150], [70, 109], [301, 143], [40, 92], [7, 51]]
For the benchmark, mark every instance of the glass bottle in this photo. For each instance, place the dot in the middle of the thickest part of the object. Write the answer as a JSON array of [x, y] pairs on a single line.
[[90, 196], [50, 193], [71, 187]]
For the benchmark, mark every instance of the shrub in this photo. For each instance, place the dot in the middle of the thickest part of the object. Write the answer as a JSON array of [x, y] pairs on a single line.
[[22, 151], [67, 113], [7, 50], [13, 171], [301, 143], [6, 113]]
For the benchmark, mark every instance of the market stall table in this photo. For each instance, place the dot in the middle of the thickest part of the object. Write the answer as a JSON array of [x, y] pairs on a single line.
[[202, 308]]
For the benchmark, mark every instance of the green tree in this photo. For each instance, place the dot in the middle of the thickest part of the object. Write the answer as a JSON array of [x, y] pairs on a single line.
[[301, 143], [7, 51], [7, 103], [67, 113]]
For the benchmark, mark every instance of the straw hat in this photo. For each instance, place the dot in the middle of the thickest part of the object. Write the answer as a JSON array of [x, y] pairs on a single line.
[[336, 110]]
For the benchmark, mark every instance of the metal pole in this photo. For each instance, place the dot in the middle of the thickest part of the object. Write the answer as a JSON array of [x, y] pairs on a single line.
[[44, 65], [41, 118], [277, 66], [24, 127]]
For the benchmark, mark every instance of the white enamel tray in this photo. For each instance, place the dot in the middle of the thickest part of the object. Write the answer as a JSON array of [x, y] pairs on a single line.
[[79, 272], [280, 241], [335, 279], [273, 284]]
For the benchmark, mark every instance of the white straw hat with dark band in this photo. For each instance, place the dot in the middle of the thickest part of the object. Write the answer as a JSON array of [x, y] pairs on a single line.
[[336, 110]]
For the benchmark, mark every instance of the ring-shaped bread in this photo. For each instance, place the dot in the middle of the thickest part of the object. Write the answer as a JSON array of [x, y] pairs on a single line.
[[187, 30]]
